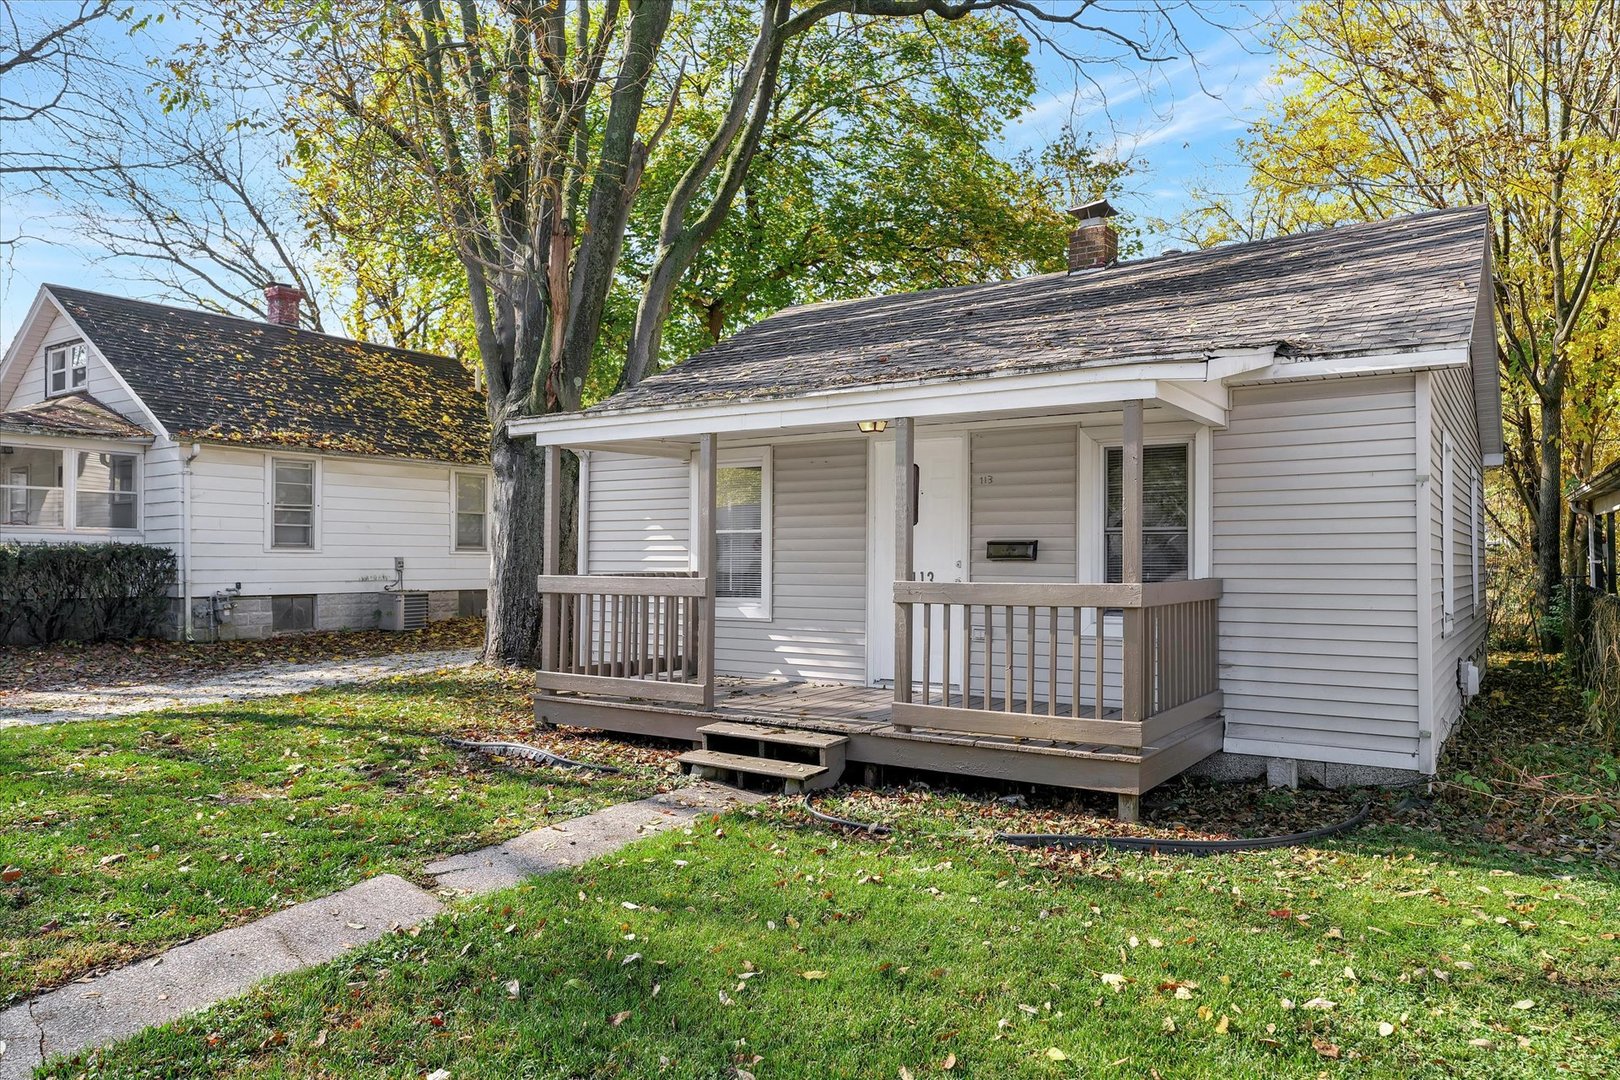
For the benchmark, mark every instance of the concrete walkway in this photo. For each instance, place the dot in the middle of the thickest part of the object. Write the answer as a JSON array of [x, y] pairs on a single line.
[[194, 976], [271, 680]]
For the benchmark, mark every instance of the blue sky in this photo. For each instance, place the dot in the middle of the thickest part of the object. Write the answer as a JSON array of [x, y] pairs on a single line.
[[1179, 119]]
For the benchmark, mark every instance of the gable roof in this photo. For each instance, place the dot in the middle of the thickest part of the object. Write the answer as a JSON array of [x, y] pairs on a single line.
[[72, 414], [1406, 285], [217, 378]]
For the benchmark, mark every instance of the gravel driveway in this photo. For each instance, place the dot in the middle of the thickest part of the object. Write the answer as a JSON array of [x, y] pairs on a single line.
[[59, 706]]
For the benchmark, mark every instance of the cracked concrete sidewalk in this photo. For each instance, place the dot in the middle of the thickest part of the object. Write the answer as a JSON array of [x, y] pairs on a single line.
[[191, 977], [271, 680]]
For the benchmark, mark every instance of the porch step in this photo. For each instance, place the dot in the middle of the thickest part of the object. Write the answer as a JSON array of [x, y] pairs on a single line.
[[810, 740], [777, 746], [796, 776]]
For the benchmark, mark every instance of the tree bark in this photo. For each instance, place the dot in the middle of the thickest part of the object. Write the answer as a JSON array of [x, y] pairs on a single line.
[[1550, 508], [512, 620]]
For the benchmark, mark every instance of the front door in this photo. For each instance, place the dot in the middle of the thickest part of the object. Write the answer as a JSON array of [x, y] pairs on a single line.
[[939, 544]]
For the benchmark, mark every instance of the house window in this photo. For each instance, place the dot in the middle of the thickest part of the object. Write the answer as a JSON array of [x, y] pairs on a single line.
[[472, 512], [33, 491], [292, 613], [739, 534], [1165, 513], [293, 504], [105, 491], [65, 369]]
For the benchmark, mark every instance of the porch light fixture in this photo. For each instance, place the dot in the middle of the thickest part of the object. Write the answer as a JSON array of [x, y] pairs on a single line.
[[871, 427]]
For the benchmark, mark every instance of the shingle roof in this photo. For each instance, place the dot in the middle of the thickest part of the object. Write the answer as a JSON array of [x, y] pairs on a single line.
[[219, 378], [1392, 286], [71, 414]]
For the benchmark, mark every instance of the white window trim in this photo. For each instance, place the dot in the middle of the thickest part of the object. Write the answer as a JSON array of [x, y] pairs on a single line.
[[270, 545], [65, 350], [727, 607], [1448, 553], [489, 511], [70, 490], [1093, 506]]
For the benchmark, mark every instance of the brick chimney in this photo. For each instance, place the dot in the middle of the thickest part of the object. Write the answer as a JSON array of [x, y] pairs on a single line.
[[1094, 243], [281, 304]]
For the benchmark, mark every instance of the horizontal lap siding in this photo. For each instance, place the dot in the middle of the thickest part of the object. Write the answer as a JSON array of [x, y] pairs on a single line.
[[1314, 537], [1452, 395], [817, 628], [99, 380], [369, 513], [639, 516]]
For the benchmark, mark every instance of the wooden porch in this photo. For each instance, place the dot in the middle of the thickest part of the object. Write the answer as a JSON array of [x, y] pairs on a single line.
[[1111, 687]]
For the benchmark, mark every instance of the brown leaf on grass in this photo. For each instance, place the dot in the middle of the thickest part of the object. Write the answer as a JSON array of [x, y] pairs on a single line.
[[1325, 1049], [619, 1018]]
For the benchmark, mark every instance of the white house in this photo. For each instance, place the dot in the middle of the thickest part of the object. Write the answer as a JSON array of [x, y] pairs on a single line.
[[1085, 528], [303, 480]]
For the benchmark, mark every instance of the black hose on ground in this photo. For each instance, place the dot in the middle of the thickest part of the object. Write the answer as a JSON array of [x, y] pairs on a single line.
[[1070, 841], [531, 753]]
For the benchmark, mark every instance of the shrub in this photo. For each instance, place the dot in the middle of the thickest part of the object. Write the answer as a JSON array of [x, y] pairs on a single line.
[[1601, 665], [94, 592]]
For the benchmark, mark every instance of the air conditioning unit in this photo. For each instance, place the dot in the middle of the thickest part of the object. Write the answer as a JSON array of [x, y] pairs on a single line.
[[407, 611]]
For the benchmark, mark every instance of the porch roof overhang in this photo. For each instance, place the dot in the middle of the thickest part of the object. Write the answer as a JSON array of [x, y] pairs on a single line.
[[1191, 386], [1599, 495], [73, 416]]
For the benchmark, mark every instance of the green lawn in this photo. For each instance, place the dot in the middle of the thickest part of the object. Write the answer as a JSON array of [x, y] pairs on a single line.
[[754, 943], [1446, 940], [129, 835]]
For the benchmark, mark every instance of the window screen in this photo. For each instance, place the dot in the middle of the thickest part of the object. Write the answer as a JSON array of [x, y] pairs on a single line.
[[293, 524], [105, 491], [65, 368], [472, 502], [32, 487], [739, 533], [1165, 513]]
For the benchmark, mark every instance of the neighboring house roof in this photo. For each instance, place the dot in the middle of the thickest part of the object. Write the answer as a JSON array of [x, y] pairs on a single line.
[[72, 414], [219, 378], [1601, 491], [1400, 286]]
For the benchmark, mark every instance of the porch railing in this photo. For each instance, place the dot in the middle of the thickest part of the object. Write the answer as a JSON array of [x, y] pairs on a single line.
[[1116, 665], [627, 635]]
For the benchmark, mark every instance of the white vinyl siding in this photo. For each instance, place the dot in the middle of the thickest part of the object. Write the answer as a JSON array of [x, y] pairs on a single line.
[[371, 512], [28, 385], [817, 625], [638, 518], [1314, 502], [1451, 540]]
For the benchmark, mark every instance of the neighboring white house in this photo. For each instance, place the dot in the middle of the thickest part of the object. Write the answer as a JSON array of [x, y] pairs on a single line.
[[304, 481], [1300, 427]]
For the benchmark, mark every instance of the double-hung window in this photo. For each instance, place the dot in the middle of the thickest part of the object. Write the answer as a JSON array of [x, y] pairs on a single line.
[[105, 492], [1166, 513], [292, 523], [65, 368], [471, 511], [742, 539]]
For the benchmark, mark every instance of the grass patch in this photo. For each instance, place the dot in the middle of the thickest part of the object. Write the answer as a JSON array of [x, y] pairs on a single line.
[[754, 944], [128, 835]]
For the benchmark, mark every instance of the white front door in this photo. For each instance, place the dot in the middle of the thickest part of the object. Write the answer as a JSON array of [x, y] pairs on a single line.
[[939, 544]]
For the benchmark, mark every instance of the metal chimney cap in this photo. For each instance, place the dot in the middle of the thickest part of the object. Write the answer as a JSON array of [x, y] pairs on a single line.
[[1097, 208]]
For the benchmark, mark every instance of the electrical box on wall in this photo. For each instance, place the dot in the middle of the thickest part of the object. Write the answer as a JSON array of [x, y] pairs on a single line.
[[1010, 550]]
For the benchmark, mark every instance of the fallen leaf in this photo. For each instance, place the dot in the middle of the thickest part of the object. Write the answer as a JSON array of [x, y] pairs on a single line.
[[1055, 1054], [1386, 1029], [10, 874], [1320, 1003], [512, 987], [1525, 1003], [1114, 980], [1222, 1025], [949, 1063], [1325, 1048], [619, 1018], [813, 974]]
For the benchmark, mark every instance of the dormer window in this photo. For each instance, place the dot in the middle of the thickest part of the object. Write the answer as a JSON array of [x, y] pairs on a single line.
[[65, 370]]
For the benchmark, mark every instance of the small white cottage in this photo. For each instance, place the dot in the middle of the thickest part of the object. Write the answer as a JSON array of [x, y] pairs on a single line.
[[1086, 528], [304, 481]]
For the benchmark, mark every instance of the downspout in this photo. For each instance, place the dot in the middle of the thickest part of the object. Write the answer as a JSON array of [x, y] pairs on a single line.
[[185, 541]]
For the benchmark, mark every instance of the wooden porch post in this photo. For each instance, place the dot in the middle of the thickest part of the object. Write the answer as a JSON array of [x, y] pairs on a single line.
[[905, 501], [1134, 659], [550, 559], [705, 562], [1614, 557]]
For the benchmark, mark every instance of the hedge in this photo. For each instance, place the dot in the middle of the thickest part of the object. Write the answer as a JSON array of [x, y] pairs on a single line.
[[88, 592]]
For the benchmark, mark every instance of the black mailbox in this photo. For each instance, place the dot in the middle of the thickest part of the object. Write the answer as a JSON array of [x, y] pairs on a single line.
[[1010, 550]]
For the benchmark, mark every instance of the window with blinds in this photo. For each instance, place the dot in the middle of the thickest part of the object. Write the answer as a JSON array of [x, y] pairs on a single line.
[[739, 533], [1165, 513]]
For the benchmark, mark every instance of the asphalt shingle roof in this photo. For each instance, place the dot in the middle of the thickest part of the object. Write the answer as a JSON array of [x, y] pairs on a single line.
[[219, 378], [1392, 286], [71, 414]]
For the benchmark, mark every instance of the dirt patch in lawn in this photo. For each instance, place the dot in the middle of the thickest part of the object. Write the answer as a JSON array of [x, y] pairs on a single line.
[[72, 666]]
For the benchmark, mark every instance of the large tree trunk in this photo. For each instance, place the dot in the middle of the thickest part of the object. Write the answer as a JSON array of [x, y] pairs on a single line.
[[1550, 509], [512, 627]]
